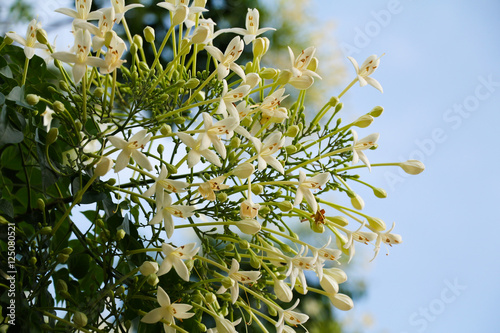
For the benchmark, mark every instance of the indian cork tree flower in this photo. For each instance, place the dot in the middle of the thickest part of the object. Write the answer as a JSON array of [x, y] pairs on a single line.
[[228, 98], [174, 258], [224, 325], [302, 78], [323, 254], [249, 209], [82, 11], [243, 170], [47, 117], [282, 290], [271, 145], [248, 226], [194, 155], [367, 68], [341, 301], [298, 264], [227, 60], [290, 317], [81, 59], [167, 311], [207, 189], [30, 43], [103, 166], [386, 238], [212, 132], [163, 184], [148, 268], [252, 27], [165, 212], [363, 144], [121, 9], [238, 277], [271, 109], [113, 55], [131, 149], [412, 167], [305, 187], [180, 10], [105, 24]]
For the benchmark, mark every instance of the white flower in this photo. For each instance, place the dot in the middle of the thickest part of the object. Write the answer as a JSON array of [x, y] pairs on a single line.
[[323, 254], [248, 209], [174, 258], [248, 226], [227, 60], [148, 268], [81, 59], [212, 132], [103, 166], [162, 184], [195, 153], [113, 55], [105, 24], [271, 109], [387, 238], [207, 189], [121, 9], [180, 10], [131, 148], [209, 24], [165, 212], [167, 310], [305, 186], [291, 317], [282, 290], [238, 277], [82, 11], [271, 145], [252, 27], [228, 98], [47, 117], [363, 144], [225, 326], [30, 43], [367, 68], [341, 301], [299, 263], [302, 78]]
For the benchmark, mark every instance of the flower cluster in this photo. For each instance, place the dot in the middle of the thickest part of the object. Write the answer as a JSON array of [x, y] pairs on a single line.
[[230, 152]]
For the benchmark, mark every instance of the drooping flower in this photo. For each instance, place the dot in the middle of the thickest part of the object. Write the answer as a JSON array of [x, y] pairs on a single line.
[[47, 117], [131, 149], [227, 60], [252, 27], [238, 277], [212, 132], [82, 11], [81, 59], [223, 325], [168, 311], [305, 187], [165, 212], [266, 149], [363, 144], [174, 258], [208, 189], [290, 317], [30, 43], [121, 9], [367, 68], [302, 77], [162, 184]]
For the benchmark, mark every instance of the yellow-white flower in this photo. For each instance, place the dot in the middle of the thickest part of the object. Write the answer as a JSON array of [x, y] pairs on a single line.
[[121, 9], [162, 184], [106, 22], [266, 149], [212, 132], [223, 325], [302, 78], [238, 277], [305, 187], [113, 55], [291, 317], [363, 144], [298, 264], [271, 109], [82, 11], [174, 258], [180, 10], [47, 117], [228, 98], [195, 153], [252, 27], [367, 68], [227, 59], [165, 212], [30, 43], [208, 189], [131, 149]]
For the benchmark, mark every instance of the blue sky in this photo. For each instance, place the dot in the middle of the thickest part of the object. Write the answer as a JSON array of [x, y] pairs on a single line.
[[441, 98]]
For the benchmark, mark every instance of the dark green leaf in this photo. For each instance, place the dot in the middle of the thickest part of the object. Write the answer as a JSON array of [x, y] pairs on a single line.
[[79, 264], [8, 134]]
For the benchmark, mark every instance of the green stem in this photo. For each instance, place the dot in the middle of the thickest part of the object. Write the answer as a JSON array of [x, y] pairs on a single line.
[[347, 88], [335, 152], [84, 93], [25, 73]]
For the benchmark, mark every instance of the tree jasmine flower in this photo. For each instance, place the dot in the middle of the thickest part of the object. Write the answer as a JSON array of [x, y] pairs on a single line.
[[131, 149]]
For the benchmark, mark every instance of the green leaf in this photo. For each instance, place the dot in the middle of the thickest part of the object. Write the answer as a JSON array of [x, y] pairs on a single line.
[[7, 72], [8, 134], [79, 264]]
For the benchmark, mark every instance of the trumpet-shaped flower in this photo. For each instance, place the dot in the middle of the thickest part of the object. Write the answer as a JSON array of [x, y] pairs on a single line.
[[195, 153], [367, 68], [212, 132], [290, 317], [207, 189], [167, 311], [266, 149], [238, 277], [252, 27], [305, 187], [323, 254], [271, 109], [363, 144], [82, 11], [113, 55], [248, 209], [227, 60], [47, 117], [30, 43], [81, 59], [174, 258], [105, 24], [165, 212], [121, 9], [299, 263], [162, 184], [131, 149], [386, 238], [302, 78], [228, 98]]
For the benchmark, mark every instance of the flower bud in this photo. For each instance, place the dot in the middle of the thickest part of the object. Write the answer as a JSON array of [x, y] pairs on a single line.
[[317, 227], [98, 92], [376, 223], [339, 107], [222, 196], [108, 37], [149, 34], [32, 261], [179, 120], [40, 203], [313, 65], [291, 149], [260, 46], [64, 86], [285, 206], [62, 258], [210, 298], [363, 121], [192, 83], [138, 41], [252, 79], [103, 167], [248, 226], [46, 230], [143, 65], [41, 36], [333, 101], [243, 170], [58, 106], [357, 202], [172, 170], [376, 111], [292, 131], [379, 192], [341, 301], [80, 319], [32, 99], [235, 142], [338, 220], [61, 285], [329, 284], [200, 35], [153, 280], [284, 77], [7, 40], [257, 189], [268, 73], [412, 167], [51, 136], [166, 129], [227, 282], [148, 268], [120, 234], [244, 244]]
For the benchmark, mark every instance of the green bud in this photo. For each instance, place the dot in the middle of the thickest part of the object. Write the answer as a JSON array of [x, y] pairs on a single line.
[[285, 247], [285, 206], [51, 136], [268, 73], [235, 142], [244, 245], [254, 261], [264, 210], [41, 36], [64, 86], [272, 311], [379, 192], [134, 198], [230, 247], [32, 261], [357, 202], [189, 264], [111, 181], [260, 46], [80, 319], [7, 40], [245, 122], [100, 223], [298, 146], [257, 189], [46, 230], [65, 294], [317, 227], [339, 107], [179, 120], [3, 220], [284, 77], [376, 111], [153, 280], [160, 149], [40, 204], [210, 298], [291, 149], [144, 66], [338, 220], [149, 34], [120, 290], [98, 92], [376, 223], [227, 282], [62, 258], [120, 234], [58, 106], [292, 131], [138, 41], [61, 286], [67, 250], [237, 256], [333, 101], [172, 170], [222, 196], [201, 327], [32, 99], [166, 129], [192, 83], [363, 121]]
